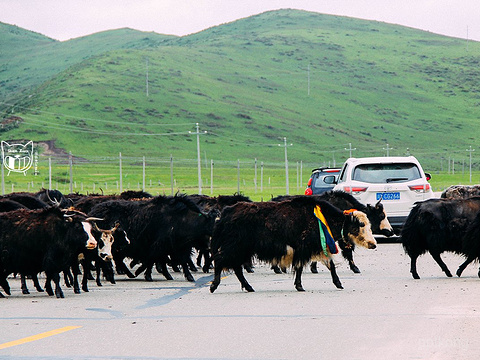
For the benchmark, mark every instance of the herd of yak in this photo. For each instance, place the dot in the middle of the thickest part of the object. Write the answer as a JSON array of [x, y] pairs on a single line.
[[48, 232]]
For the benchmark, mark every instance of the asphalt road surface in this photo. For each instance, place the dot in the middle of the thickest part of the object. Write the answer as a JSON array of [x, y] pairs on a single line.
[[383, 313]]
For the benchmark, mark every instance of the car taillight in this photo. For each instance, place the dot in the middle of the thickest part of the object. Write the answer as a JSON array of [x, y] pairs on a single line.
[[309, 182], [308, 191], [354, 190], [420, 188]]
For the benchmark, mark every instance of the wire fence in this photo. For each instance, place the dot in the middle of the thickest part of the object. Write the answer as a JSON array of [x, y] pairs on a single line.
[[167, 176]]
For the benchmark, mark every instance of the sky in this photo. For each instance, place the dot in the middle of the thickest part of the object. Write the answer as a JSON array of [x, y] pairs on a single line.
[[67, 19]]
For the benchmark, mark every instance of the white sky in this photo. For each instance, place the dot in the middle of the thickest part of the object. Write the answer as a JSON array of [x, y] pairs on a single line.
[[66, 19]]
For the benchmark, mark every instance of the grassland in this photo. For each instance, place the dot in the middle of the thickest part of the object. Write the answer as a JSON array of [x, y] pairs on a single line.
[[165, 177], [321, 81]]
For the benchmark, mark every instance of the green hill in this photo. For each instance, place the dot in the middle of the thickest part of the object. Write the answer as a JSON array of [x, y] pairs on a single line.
[[321, 81], [28, 59]]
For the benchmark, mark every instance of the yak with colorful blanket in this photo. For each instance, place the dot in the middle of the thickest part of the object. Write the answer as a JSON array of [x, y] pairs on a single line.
[[285, 233]]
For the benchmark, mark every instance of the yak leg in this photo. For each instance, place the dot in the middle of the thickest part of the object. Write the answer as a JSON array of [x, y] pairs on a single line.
[[191, 265], [48, 286], [24, 284], [239, 272], [107, 269], [162, 268], [55, 277], [186, 272], [122, 269], [76, 272], [36, 283], [67, 275], [4, 284], [148, 270], [140, 269], [313, 267], [58, 289], [413, 266], [85, 282], [248, 266], [438, 259], [333, 272], [199, 258], [298, 278], [276, 269], [216, 278], [208, 264], [98, 270], [464, 265], [348, 254]]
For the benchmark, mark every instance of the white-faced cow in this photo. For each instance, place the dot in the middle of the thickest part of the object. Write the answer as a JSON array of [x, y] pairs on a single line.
[[283, 233]]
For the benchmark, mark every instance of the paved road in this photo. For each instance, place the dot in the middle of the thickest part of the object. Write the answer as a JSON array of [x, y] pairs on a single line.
[[381, 314]]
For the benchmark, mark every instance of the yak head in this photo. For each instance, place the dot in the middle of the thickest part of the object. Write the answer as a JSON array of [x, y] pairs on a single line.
[[358, 230], [378, 218], [80, 226]]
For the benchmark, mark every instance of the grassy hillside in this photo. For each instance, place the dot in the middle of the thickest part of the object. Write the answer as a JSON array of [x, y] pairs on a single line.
[[30, 58], [321, 81]]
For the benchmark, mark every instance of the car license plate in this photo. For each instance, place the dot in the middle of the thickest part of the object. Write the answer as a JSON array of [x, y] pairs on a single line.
[[388, 196]]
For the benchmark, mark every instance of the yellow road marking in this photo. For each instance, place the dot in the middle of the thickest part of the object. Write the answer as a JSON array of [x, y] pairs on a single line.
[[37, 337]]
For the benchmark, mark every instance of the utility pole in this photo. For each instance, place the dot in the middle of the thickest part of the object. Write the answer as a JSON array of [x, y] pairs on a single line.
[[286, 163], [120, 168], [143, 183], [147, 77], [350, 149], [199, 163], [388, 150], [470, 151], [70, 161]]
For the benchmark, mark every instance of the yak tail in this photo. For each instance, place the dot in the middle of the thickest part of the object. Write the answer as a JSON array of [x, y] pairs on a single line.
[[410, 236]]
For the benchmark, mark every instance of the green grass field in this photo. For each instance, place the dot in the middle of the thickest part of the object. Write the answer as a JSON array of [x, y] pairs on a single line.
[[104, 176], [321, 81]]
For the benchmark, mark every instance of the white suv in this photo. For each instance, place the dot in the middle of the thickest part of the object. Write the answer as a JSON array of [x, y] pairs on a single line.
[[398, 182]]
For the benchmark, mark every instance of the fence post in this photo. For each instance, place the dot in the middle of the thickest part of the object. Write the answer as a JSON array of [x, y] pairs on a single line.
[[49, 173], [261, 177], [71, 171], [238, 176], [171, 173], [211, 176], [255, 180], [298, 174], [301, 172], [143, 187], [3, 179], [121, 177]]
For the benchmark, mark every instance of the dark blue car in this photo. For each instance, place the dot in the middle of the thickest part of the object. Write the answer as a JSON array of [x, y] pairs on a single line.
[[322, 180]]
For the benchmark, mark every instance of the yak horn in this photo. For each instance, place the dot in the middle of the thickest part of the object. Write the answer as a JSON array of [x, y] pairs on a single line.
[[94, 219]]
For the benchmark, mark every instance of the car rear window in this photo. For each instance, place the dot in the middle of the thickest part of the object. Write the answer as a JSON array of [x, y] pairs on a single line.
[[386, 173]]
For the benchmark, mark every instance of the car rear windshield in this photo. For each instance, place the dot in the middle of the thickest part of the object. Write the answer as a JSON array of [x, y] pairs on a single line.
[[386, 173]]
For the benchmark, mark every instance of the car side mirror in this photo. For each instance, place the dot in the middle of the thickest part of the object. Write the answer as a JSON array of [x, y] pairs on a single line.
[[329, 179], [428, 176]]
